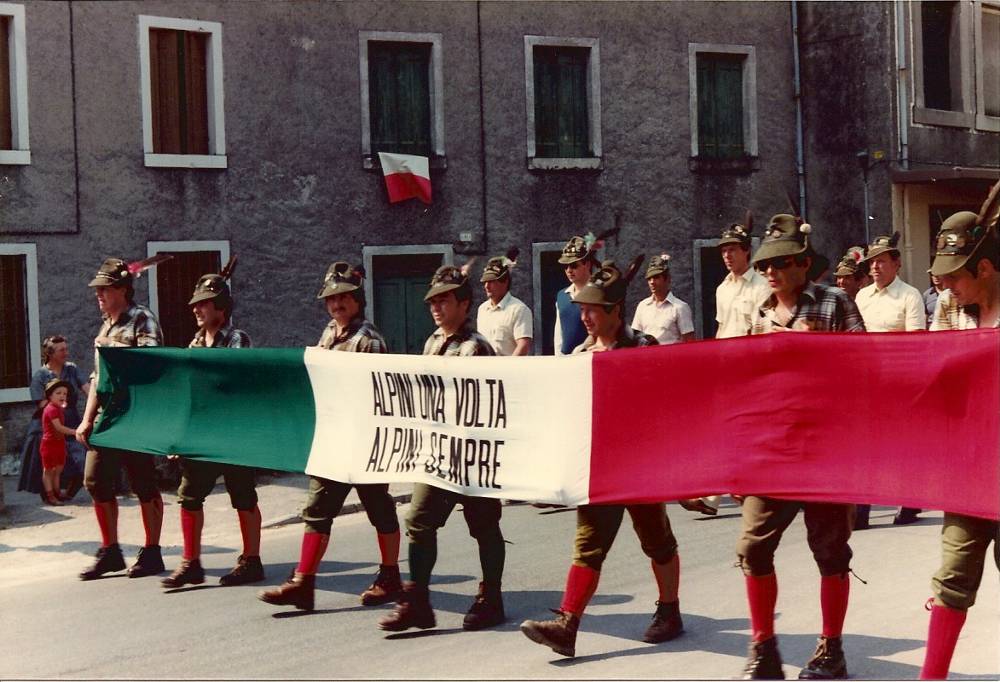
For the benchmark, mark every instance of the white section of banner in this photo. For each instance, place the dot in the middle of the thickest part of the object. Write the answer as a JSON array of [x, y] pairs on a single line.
[[489, 426], [405, 163]]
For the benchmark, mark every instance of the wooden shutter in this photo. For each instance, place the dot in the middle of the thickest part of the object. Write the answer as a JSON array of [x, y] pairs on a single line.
[[562, 126], [399, 101], [720, 106], [175, 280], [15, 364], [179, 91], [6, 129]]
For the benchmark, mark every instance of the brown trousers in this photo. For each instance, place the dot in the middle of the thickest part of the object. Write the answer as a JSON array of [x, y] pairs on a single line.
[[598, 524]]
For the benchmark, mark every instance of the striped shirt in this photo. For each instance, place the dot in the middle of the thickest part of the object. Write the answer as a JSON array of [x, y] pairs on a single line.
[[819, 308], [135, 327], [226, 337], [949, 315], [465, 341], [360, 336]]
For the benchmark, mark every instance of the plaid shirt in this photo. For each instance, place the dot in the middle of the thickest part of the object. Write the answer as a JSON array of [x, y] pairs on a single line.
[[820, 309], [135, 327], [627, 338], [227, 337], [360, 336], [949, 315], [465, 341]]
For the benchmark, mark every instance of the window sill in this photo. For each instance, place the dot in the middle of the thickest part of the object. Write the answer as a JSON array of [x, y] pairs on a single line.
[[370, 162], [739, 166], [940, 117], [15, 157], [15, 395], [552, 163], [988, 123], [219, 161]]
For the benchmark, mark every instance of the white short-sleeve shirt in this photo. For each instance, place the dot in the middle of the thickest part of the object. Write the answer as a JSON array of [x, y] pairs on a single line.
[[668, 320], [736, 300], [898, 307], [504, 323]]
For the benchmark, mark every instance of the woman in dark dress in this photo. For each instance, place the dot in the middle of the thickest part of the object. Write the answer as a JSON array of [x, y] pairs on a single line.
[[55, 365]]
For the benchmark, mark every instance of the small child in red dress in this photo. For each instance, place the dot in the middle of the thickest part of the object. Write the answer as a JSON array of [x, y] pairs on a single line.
[[53, 445]]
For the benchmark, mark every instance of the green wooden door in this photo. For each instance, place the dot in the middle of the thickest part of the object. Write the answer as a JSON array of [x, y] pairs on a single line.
[[401, 314]]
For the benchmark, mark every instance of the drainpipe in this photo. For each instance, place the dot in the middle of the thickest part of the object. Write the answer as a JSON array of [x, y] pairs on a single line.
[[902, 99], [800, 170]]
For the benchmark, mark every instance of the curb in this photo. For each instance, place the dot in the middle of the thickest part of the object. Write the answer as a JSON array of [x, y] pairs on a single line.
[[352, 508]]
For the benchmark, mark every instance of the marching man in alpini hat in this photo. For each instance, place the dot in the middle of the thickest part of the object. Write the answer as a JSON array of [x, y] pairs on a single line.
[[212, 304], [889, 304], [449, 298], [601, 303], [743, 288], [661, 314], [350, 332], [126, 323], [851, 274], [502, 318], [967, 259], [796, 303], [578, 259]]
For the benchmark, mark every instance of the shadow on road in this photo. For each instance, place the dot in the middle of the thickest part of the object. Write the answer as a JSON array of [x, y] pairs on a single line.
[[865, 654]]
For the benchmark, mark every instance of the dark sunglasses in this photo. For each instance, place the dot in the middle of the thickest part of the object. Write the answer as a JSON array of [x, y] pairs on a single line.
[[776, 263]]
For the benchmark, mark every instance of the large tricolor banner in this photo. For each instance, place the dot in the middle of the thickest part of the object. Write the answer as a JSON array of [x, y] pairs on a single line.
[[910, 419]]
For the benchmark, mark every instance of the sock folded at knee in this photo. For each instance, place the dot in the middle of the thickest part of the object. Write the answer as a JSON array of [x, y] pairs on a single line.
[[191, 526], [942, 636], [834, 591]]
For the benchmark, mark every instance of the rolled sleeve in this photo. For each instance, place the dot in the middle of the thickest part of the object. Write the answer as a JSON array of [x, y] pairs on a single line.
[[523, 323]]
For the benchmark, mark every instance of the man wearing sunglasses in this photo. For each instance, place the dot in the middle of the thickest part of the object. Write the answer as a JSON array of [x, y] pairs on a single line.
[[796, 304], [967, 260], [578, 262]]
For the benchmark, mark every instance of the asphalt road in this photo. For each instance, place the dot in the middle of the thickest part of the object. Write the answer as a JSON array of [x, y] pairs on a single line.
[[53, 626]]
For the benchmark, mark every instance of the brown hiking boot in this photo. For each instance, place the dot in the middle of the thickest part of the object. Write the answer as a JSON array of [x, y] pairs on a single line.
[[248, 569], [487, 609], [386, 588], [558, 634], [828, 663], [764, 661], [297, 591], [189, 572], [413, 610], [666, 623]]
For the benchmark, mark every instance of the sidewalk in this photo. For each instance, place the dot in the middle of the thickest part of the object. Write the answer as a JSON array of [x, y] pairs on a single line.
[[29, 527]]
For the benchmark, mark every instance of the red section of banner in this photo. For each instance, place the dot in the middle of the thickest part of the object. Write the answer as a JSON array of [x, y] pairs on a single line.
[[897, 418], [403, 186]]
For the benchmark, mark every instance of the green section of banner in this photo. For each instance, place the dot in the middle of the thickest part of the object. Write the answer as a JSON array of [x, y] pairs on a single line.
[[252, 407]]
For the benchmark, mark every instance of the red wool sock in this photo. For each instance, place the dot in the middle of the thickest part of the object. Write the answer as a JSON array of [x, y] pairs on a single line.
[[191, 525], [250, 521], [833, 593], [942, 635], [313, 547], [107, 521], [581, 583], [762, 594], [388, 547]]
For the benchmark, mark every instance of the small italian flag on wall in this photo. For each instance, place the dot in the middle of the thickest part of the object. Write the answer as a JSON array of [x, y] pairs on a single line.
[[406, 177]]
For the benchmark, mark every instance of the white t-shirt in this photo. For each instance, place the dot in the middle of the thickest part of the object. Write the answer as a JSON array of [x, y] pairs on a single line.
[[667, 320], [504, 323]]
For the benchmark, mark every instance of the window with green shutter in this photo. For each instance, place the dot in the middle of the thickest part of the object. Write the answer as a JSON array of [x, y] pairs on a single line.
[[399, 97], [6, 129], [720, 106], [562, 126]]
